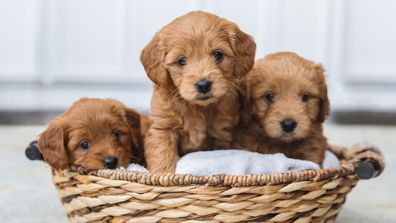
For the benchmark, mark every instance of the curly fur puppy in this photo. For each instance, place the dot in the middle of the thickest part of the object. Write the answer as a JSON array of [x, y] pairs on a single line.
[[196, 63], [286, 103], [94, 133]]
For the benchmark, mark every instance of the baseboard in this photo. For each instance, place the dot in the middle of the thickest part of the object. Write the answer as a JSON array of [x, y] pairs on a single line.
[[364, 117]]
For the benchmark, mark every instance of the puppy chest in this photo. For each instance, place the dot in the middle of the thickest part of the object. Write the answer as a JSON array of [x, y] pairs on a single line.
[[193, 136], [193, 140]]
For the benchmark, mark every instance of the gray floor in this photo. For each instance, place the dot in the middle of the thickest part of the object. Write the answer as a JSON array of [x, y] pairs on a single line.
[[27, 195]]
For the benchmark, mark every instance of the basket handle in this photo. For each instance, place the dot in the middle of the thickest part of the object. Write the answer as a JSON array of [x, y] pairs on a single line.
[[32, 152], [366, 158]]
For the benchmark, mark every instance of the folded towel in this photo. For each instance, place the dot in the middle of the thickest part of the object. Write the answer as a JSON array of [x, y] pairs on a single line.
[[239, 162]]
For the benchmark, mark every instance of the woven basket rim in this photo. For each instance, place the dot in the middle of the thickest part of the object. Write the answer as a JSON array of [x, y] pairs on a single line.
[[221, 179], [349, 159]]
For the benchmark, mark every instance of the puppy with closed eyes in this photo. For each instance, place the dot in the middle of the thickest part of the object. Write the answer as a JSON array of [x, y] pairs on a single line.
[[195, 63], [95, 134], [286, 104]]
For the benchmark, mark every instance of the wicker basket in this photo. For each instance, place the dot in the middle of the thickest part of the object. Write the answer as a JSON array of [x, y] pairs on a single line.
[[123, 196]]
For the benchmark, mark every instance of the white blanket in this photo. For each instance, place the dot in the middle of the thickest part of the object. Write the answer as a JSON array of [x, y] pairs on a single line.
[[240, 162], [330, 161], [136, 168]]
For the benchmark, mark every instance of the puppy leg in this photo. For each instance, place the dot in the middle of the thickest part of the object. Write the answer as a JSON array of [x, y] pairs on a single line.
[[314, 153], [161, 150]]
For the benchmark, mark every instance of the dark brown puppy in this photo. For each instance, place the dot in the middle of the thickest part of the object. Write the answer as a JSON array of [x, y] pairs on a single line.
[[196, 63], [94, 133], [285, 105]]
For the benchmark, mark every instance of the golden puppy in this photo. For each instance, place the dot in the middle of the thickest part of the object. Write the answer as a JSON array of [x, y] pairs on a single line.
[[94, 133], [286, 103], [196, 63]]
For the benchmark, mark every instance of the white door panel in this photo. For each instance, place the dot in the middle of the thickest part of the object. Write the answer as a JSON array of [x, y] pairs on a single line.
[[246, 17], [370, 42], [299, 26], [18, 25], [362, 56], [87, 40], [63, 50]]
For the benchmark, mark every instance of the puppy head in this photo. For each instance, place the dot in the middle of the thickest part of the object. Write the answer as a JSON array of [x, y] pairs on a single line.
[[288, 96], [95, 134], [199, 56]]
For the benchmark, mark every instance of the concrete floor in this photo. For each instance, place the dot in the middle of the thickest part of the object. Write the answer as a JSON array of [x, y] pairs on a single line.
[[27, 194]]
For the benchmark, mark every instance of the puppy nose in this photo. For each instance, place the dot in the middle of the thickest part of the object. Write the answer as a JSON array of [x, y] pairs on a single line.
[[110, 162], [204, 86], [288, 125]]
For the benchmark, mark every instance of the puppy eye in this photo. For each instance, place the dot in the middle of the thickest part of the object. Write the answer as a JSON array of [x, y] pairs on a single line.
[[84, 145], [116, 134], [218, 55], [305, 97], [269, 97], [181, 61]]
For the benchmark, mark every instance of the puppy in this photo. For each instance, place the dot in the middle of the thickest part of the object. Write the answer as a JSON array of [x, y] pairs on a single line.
[[285, 105], [95, 134], [195, 63]]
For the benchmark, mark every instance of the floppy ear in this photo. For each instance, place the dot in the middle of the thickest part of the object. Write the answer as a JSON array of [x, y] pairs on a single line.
[[245, 50], [133, 119], [324, 100], [152, 58], [52, 146]]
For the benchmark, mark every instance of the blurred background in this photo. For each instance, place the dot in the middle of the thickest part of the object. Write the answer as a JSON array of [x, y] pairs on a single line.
[[52, 52]]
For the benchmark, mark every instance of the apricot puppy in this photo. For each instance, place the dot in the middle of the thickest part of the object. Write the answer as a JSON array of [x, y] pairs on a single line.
[[195, 63], [95, 134], [286, 104]]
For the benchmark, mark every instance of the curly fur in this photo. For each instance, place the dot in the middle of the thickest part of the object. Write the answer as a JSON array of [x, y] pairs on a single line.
[[288, 77], [183, 119], [95, 121]]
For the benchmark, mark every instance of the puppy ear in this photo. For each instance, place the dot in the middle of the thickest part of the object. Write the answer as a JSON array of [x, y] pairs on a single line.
[[52, 146], [245, 50], [324, 104], [152, 58], [134, 119]]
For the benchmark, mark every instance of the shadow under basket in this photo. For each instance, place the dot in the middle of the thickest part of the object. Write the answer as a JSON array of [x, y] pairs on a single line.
[[124, 196]]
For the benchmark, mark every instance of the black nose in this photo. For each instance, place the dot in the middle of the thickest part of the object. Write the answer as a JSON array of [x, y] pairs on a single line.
[[110, 162], [288, 125], [204, 86]]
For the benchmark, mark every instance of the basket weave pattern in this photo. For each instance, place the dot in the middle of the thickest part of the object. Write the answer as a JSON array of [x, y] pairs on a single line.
[[122, 196]]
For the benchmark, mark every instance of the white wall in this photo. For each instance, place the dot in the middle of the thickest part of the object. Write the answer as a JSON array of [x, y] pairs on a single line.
[[53, 52]]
